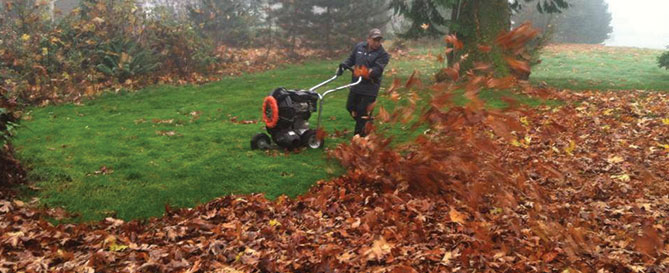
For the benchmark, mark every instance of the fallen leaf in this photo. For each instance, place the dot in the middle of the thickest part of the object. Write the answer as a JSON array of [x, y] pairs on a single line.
[[456, 216], [380, 248]]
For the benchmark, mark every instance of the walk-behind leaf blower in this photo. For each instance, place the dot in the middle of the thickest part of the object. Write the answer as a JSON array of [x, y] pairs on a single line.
[[286, 114]]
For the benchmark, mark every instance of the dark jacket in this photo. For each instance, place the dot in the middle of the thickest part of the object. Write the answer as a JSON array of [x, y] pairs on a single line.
[[375, 60]]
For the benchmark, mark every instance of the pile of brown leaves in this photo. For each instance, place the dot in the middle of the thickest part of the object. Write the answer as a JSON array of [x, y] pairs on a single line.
[[582, 186], [579, 187]]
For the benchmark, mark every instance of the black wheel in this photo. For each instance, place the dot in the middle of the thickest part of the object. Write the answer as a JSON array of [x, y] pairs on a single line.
[[311, 141], [261, 141]]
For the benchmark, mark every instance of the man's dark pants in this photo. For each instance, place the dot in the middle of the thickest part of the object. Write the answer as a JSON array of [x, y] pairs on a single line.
[[357, 106]]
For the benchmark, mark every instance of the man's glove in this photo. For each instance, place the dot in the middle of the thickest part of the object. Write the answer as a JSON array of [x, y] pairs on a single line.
[[341, 69]]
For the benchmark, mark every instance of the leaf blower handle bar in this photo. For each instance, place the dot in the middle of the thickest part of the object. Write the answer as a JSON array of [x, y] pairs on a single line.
[[340, 88], [321, 97], [326, 81], [338, 73]]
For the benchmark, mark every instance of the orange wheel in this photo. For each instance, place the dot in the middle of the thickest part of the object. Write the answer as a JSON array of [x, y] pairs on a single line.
[[270, 112]]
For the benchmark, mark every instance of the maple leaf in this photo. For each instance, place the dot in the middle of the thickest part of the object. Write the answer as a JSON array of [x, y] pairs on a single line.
[[570, 149], [13, 238], [403, 269], [484, 48], [453, 40], [383, 115], [394, 96], [452, 73], [361, 71], [482, 66], [549, 256], [380, 248], [396, 83], [650, 242], [665, 146], [516, 39], [518, 65], [615, 159], [446, 260], [345, 257], [413, 81], [456, 216], [622, 177], [196, 267], [274, 223], [117, 247], [321, 134]]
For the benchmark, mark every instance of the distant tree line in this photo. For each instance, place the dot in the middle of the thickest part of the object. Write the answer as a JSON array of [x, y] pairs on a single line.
[[315, 24]]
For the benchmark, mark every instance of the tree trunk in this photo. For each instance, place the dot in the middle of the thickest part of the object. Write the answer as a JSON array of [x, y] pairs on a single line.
[[328, 30], [483, 20], [52, 10]]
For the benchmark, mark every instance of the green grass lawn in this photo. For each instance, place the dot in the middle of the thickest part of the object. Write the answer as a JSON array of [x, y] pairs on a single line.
[[205, 158], [178, 145], [130, 134], [587, 67]]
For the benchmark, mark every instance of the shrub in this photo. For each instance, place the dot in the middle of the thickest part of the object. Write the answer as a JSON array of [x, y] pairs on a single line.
[[7, 126], [11, 171], [100, 45], [663, 60], [166, 37], [7, 121], [124, 59]]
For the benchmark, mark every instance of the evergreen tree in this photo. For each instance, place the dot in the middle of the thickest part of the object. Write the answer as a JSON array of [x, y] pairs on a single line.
[[428, 17], [227, 21], [293, 18], [339, 24], [330, 25]]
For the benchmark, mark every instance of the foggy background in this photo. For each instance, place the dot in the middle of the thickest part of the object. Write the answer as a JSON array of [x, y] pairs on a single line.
[[636, 23], [639, 23]]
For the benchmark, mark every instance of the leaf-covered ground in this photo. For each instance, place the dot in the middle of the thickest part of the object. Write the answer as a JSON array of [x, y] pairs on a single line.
[[580, 187]]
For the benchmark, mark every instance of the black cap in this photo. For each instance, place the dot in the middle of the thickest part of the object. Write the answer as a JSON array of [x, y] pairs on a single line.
[[375, 33]]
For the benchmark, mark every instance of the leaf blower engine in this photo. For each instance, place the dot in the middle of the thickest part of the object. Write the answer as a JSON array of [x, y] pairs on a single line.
[[286, 115]]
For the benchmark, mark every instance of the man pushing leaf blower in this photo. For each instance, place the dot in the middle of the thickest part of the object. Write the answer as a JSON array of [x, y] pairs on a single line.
[[286, 113]]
